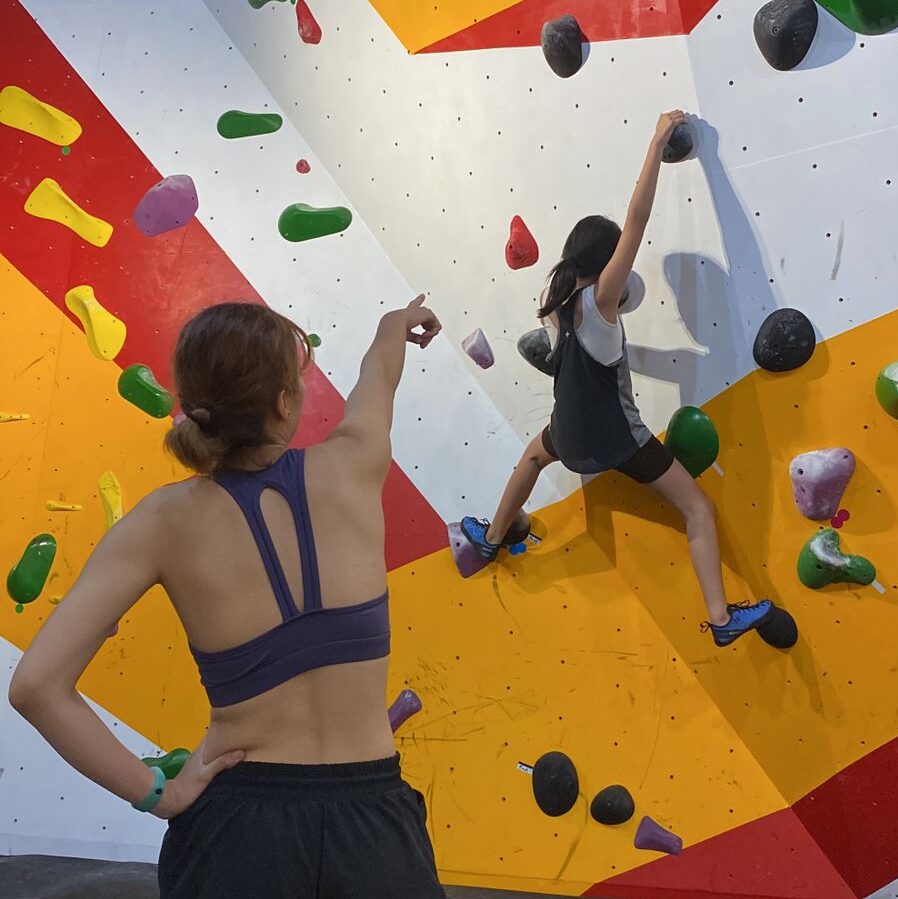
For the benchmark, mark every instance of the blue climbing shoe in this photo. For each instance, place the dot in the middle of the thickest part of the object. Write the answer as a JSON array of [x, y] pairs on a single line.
[[743, 618], [475, 530]]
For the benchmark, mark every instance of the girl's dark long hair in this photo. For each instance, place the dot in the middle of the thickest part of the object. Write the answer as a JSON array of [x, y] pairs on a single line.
[[587, 250]]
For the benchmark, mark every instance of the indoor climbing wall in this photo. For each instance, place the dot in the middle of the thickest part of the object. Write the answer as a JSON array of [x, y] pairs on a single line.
[[157, 160]]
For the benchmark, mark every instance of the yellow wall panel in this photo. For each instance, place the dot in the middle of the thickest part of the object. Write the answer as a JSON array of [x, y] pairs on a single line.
[[80, 427], [420, 23]]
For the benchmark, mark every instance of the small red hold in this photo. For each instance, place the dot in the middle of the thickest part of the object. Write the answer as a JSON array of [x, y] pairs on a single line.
[[309, 29], [303, 167], [521, 250], [840, 518]]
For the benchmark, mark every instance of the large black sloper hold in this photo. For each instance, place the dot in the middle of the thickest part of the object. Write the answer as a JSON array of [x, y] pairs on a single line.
[[784, 31], [555, 783], [562, 43], [785, 341], [779, 630]]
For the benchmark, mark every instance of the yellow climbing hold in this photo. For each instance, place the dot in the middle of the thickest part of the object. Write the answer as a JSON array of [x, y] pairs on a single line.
[[105, 333], [111, 496], [54, 506], [21, 110], [54, 600], [14, 416], [49, 201]]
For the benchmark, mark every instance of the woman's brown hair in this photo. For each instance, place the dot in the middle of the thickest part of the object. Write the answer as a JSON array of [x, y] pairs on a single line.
[[231, 363]]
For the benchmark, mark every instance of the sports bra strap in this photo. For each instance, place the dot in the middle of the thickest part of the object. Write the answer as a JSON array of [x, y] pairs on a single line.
[[287, 477]]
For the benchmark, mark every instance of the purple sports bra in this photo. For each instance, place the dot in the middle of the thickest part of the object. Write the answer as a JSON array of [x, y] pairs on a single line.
[[304, 640]]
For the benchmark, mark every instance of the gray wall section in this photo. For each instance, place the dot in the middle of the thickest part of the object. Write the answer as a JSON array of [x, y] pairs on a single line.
[[49, 877]]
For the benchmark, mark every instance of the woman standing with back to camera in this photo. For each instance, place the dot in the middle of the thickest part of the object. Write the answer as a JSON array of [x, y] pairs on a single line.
[[273, 559]]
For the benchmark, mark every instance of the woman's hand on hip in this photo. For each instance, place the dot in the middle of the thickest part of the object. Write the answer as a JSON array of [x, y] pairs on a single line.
[[181, 792]]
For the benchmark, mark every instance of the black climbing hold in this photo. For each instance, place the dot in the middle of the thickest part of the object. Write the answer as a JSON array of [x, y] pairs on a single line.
[[519, 529], [555, 783], [613, 805], [624, 296], [784, 31], [679, 145], [779, 629], [785, 341], [535, 347], [562, 43]]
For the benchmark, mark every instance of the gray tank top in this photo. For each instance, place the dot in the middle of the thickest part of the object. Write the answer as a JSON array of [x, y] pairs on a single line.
[[595, 423]]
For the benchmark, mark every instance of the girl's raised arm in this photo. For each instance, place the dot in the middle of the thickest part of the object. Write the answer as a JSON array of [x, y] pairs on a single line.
[[614, 278]]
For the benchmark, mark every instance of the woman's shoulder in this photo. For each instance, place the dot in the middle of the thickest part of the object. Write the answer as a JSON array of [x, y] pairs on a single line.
[[176, 498]]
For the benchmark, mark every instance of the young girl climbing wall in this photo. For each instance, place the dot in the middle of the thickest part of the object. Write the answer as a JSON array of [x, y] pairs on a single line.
[[595, 424]]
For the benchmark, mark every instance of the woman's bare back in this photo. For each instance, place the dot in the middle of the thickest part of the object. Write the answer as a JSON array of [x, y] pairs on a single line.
[[217, 581]]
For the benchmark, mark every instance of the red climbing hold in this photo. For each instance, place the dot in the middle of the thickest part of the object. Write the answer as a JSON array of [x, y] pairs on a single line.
[[521, 250], [309, 29], [303, 167]]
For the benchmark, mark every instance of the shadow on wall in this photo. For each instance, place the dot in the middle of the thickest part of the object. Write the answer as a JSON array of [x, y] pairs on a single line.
[[832, 41]]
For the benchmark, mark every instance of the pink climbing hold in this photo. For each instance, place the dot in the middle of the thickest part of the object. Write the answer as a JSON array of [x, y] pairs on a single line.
[[309, 29], [467, 557], [170, 204], [478, 348], [521, 250], [819, 479], [651, 835], [303, 167], [840, 518]]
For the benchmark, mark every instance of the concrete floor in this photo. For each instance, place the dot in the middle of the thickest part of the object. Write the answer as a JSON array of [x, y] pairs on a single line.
[[49, 877]]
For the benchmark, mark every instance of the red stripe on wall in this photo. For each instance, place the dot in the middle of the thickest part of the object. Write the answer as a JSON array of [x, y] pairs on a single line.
[[600, 20], [153, 285], [853, 817], [773, 857]]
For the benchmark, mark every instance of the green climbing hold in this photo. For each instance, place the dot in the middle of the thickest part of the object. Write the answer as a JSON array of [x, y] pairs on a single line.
[[864, 16], [65, 151], [171, 763], [887, 389], [137, 385], [28, 576], [303, 222], [314, 341], [822, 562], [258, 4], [692, 438], [235, 123]]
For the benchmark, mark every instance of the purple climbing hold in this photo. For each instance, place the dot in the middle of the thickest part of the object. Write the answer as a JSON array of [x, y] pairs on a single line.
[[407, 703], [651, 835], [819, 479], [467, 557], [478, 348], [167, 205]]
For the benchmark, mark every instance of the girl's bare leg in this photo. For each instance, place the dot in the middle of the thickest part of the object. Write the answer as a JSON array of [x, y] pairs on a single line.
[[677, 486], [520, 486]]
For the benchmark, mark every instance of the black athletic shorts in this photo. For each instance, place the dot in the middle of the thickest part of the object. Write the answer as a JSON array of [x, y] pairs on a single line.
[[270, 831], [647, 464]]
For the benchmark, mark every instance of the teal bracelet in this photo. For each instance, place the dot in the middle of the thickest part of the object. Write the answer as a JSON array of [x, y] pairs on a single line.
[[151, 800]]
